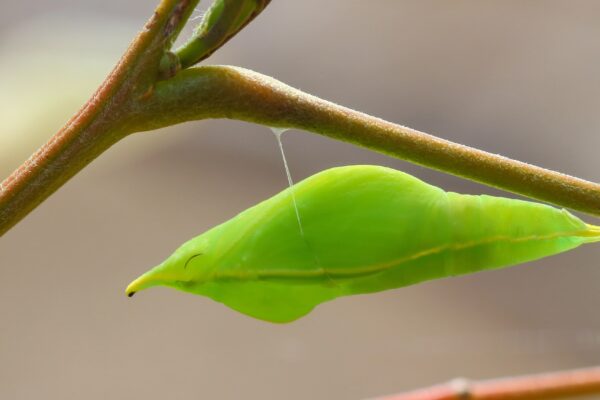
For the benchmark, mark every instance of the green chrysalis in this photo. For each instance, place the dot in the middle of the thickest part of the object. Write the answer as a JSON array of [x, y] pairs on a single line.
[[365, 229]]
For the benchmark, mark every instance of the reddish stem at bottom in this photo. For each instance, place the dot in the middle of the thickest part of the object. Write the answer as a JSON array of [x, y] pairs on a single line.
[[556, 385]]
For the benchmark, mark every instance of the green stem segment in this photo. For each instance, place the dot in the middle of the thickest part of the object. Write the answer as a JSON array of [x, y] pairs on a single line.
[[223, 20]]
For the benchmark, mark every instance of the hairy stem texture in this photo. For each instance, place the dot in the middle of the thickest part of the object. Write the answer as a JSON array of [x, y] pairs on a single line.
[[237, 93], [98, 124]]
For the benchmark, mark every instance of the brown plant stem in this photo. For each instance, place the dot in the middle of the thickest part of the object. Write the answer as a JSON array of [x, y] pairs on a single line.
[[138, 96], [557, 385], [237, 93], [98, 124]]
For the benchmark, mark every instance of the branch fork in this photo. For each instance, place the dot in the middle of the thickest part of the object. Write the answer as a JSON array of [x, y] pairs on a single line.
[[154, 86]]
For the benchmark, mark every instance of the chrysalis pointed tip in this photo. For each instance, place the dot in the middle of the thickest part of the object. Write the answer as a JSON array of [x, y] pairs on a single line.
[[593, 233], [136, 286], [151, 278]]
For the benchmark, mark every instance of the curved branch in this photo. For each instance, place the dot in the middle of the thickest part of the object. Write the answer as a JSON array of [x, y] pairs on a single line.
[[133, 98], [237, 93]]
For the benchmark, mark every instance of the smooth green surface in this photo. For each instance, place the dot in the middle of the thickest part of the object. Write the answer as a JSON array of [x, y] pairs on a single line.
[[366, 229], [222, 21]]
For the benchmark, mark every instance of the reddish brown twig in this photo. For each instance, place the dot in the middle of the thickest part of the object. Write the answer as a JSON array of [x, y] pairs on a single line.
[[557, 385], [143, 94]]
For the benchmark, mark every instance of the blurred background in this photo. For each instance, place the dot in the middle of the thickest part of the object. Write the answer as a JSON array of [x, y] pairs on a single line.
[[519, 78]]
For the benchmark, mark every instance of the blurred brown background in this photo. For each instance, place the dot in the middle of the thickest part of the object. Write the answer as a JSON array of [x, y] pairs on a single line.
[[520, 78]]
